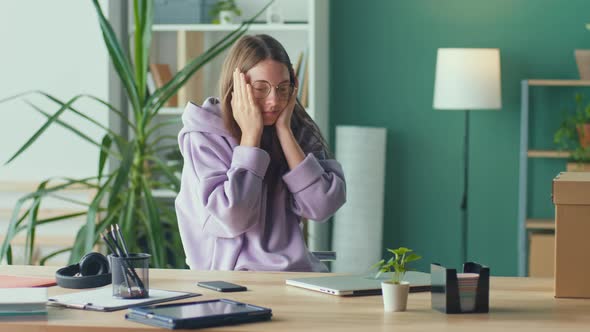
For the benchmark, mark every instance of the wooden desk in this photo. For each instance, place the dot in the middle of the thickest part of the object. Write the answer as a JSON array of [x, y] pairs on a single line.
[[516, 304]]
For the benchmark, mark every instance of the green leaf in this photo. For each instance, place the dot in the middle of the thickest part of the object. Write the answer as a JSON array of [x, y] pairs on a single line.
[[41, 130], [69, 127], [89, 228], [122, 173], [30, 242], [412, 258], [43, 260], [153, 224], [105, 148], [143, 11], [168, 173], [120, 63]]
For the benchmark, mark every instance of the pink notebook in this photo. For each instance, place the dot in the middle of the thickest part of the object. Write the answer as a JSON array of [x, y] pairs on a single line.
[[7, 281]]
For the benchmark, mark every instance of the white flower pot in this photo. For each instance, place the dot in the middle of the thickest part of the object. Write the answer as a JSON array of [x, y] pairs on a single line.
[[226, 17], [395, 296]]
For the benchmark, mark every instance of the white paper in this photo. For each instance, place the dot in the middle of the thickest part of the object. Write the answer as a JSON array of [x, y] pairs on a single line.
[[358, 225]]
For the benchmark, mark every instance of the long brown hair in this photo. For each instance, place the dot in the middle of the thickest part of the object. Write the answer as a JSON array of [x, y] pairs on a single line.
[[246, 53]]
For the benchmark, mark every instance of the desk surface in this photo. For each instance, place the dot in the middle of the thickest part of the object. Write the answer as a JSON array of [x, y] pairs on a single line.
[[519, 304]]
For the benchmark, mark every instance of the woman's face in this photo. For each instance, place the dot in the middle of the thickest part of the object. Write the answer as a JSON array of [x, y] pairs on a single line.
[[271, 89]]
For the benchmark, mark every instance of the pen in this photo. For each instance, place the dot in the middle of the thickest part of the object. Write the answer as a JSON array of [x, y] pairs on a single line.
[[121, 246], [104, 238]]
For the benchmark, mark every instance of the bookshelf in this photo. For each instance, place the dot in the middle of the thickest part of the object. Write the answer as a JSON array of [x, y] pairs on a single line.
[[525, 224], [307, 34]]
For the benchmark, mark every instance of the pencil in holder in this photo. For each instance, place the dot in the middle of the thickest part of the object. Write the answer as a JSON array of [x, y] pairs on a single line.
[[130, 275], [456, 293]]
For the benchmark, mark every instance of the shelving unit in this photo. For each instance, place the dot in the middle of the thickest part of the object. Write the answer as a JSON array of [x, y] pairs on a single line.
[[308, 34], [524, 224]]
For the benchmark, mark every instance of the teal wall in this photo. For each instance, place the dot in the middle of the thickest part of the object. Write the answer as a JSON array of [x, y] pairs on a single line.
[[383, 55]]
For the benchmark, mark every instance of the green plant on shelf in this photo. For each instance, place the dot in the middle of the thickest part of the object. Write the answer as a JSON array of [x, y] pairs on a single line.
[[223, 6], [574, 132]]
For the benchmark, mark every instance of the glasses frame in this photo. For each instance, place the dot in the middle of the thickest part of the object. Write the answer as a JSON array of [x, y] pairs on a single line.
[[276, 88]]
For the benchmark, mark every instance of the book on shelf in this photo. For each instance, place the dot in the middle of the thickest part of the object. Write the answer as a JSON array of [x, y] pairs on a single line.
[[162, 74], [302, 73], [305, 88], [190, 46]]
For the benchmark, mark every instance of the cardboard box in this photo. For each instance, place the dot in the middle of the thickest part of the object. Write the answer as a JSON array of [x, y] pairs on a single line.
[[571, 196], [541, 255]]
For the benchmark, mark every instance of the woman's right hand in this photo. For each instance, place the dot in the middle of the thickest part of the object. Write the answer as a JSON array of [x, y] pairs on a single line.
[[245, 111]]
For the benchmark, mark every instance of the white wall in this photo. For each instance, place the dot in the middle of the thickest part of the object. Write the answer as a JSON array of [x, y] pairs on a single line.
[[57, 47]]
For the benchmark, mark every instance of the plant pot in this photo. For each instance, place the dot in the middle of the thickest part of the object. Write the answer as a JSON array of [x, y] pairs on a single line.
[[395, 296], [226, 17], [584, 134]]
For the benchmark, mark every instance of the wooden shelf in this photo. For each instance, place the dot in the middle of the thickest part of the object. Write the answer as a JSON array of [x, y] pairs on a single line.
[[231, 27], [171, 111], [548, 154], [540, 224], [164, 193], [536, 82]]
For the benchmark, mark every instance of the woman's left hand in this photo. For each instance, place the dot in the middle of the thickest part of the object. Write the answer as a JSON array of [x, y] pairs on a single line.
[[284, 120]]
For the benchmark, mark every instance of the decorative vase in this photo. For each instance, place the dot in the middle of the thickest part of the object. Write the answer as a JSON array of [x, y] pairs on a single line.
[[226, 17], [395, 296], [583, 62]]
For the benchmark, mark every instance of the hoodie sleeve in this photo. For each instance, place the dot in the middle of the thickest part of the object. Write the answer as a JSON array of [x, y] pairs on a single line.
[[317, 187], [228, 184]]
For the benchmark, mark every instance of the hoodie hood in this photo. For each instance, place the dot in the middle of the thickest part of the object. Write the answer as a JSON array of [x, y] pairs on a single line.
[[204, 119]]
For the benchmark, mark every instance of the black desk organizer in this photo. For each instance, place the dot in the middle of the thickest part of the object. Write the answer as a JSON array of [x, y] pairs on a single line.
[[445, 288]]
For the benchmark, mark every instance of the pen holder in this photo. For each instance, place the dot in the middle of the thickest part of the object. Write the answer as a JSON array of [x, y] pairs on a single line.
[[467, 292], [130, 275]]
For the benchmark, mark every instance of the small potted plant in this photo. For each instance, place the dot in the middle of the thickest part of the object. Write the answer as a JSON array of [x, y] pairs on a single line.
[[224, 12], [574, 132], [395, 291]]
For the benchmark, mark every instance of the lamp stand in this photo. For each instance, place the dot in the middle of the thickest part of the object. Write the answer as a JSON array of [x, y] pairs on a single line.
[[464, 223]]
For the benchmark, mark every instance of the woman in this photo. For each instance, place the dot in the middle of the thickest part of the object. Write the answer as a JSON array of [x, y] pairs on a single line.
[[255, 164]]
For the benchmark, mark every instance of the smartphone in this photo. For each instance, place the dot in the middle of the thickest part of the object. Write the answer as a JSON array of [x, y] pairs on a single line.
[[221, 286]]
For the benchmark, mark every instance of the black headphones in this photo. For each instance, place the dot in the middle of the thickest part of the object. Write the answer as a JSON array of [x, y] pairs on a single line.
[[92, 271]]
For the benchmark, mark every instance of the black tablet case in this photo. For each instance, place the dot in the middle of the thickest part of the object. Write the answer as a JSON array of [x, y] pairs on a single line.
[[148, 315]]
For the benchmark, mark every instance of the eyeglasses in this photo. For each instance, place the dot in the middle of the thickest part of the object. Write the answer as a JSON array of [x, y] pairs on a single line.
[[261, 89]]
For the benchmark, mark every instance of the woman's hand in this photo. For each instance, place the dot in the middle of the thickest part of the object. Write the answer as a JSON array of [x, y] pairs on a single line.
[[245, 111], [284, 121]]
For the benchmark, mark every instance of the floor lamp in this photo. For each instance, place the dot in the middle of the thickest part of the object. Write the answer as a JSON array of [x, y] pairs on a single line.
[[467, 79]]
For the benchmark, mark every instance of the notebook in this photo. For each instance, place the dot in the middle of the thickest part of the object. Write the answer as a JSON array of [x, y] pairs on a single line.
[[22, 302], [357, 285], [101, 299]]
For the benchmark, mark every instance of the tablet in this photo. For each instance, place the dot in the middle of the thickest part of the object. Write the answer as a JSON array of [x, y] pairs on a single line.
[[191, 315]]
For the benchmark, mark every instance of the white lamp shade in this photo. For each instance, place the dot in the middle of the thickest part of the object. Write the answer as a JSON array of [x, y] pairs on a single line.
[[467, 79]]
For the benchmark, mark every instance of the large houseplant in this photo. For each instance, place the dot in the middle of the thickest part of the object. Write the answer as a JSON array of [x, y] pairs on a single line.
[[574, 131], [123, 192]]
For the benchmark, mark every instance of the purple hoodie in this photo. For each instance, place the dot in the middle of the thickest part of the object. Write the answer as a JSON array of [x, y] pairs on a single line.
[[226, 218]]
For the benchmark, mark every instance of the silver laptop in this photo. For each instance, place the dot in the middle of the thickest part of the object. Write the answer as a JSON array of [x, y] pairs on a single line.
[[359, 285]]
